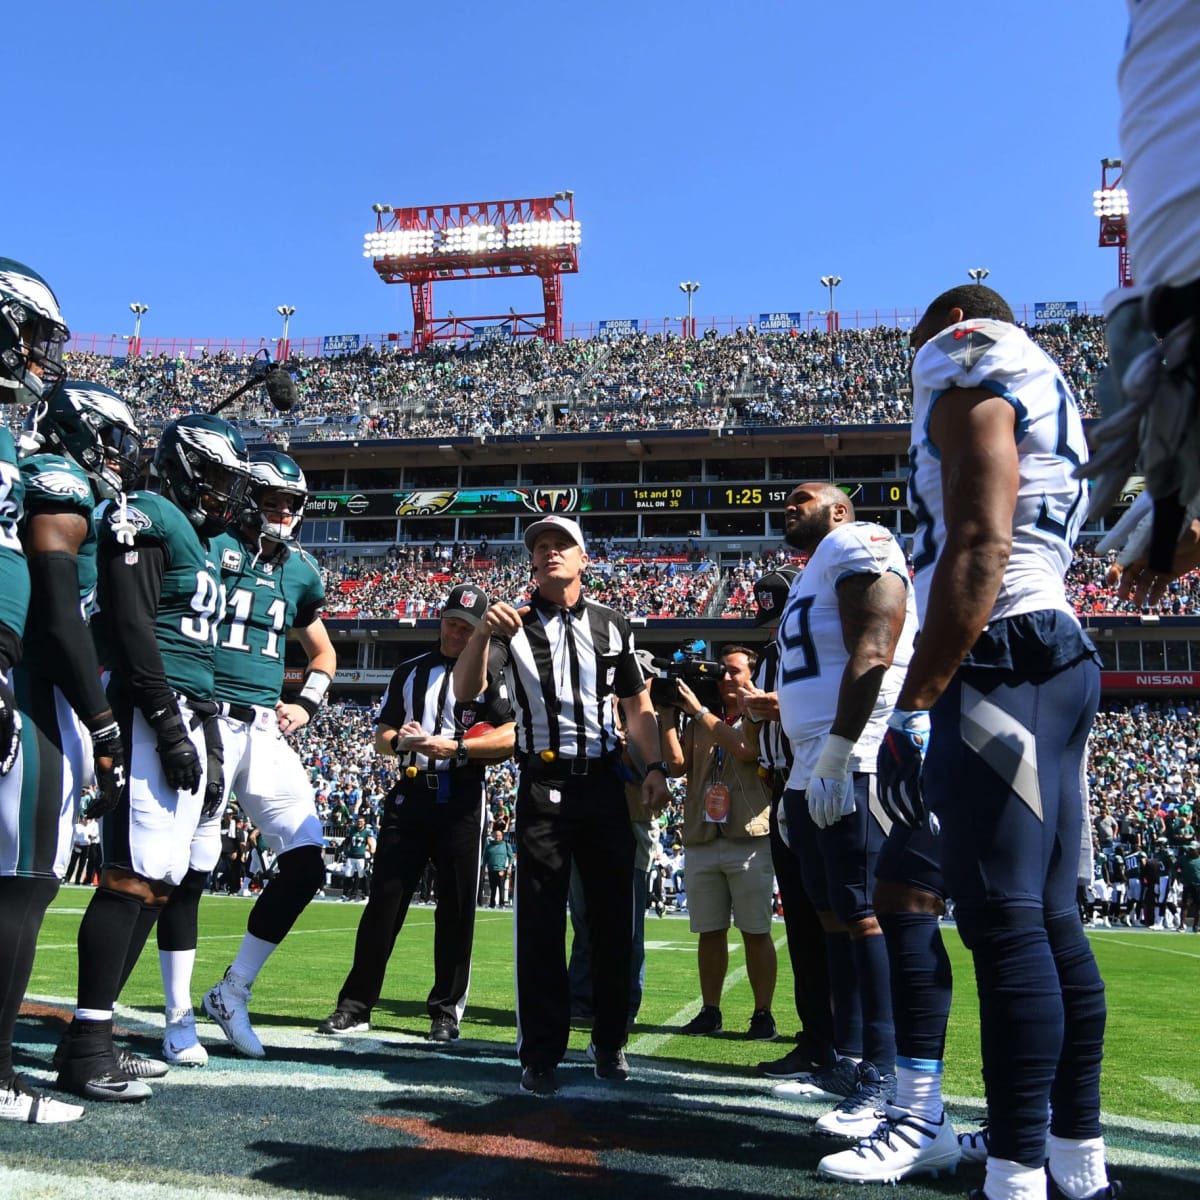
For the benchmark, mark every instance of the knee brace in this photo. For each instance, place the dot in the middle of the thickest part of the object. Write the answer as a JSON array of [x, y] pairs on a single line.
[[178, 927], [299, 873]]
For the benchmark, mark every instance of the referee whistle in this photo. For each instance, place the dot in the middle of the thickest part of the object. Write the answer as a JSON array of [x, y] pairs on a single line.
[[411, 772], [547, 756]]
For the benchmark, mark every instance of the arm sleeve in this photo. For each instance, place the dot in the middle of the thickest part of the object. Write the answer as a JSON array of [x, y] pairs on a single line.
[[62, 642], [133, 594]]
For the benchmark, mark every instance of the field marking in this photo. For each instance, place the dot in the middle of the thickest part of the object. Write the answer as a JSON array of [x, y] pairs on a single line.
[[648, 1043], [1177, 1089], [1137, 943]]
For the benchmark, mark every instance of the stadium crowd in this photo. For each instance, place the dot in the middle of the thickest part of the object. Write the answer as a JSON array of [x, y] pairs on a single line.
[[641, 383]]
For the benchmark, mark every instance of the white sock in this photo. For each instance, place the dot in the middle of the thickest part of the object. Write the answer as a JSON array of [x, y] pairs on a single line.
[[93, 1014], [1077, 1165], [1008, 1180], [176, 967], [919, 1089], [251, 958]]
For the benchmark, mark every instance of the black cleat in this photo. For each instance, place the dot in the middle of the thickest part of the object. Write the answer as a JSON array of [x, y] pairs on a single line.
[[539, 1081], [443, 1028], [341, 1021]]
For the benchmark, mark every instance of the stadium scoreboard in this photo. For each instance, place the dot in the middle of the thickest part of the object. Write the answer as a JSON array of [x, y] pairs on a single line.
[[612, 498]]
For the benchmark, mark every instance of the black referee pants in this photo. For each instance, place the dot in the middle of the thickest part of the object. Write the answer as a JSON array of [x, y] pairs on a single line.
[[580, 818], [416, 830], [805, 942]]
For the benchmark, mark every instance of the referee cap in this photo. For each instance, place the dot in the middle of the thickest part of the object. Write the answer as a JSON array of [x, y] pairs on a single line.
[[467, 603], [563, 524], [771, 593]]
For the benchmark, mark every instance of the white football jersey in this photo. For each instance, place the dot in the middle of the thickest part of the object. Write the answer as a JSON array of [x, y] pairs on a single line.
[[1051, 504], [812, 653], [1159, 84]]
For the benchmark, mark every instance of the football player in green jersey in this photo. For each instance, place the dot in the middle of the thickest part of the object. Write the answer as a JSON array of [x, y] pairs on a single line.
[[159, 604], [272, 587], [32, 335]]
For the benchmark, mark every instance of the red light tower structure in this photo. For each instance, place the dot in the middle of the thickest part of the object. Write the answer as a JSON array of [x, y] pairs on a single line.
[[1110, 202], [490, 239]]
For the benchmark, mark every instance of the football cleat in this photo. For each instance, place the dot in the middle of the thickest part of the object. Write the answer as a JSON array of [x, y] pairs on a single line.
[[974, 1144], [543, 1082], [797, 1063], [341, 1021], [833, 1082], [227, 1003], [859, 1114], [139, 1066], [902, 1145], [19, 1103], [443, 1028], [181, 1045]]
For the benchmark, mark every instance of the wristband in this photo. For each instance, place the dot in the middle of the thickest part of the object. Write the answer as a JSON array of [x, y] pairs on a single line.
[[834, 759], [702, 713], [658, 766], [316, 684]]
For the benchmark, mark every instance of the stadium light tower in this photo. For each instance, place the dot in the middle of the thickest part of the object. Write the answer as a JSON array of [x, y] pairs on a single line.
[[689, 288], [286, 311], [135, 343], [487, 239], [978, 274], [831, 320], [1110, 202]]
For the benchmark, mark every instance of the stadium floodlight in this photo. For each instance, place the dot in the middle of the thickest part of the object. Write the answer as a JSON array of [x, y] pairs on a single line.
[[978, 274], [1110, 202], [135, 344], [286, 311], [690, 287], [830, 282]]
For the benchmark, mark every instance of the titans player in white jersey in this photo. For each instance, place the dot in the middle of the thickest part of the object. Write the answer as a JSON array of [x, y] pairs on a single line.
[[845, 639], [1002, 690]]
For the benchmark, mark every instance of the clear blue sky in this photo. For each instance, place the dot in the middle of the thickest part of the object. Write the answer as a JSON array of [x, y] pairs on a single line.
[[216, 160]]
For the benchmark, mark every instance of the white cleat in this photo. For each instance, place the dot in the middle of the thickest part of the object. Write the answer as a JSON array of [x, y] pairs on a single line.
[[228, 1003], [181, 1045], [902, 1145], [19, 1103]]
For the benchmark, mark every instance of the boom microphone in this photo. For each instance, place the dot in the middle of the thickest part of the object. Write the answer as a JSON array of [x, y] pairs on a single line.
[[281, 388]]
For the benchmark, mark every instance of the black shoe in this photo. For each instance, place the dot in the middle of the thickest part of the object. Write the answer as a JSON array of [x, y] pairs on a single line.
[[136, 1065], [1054, 1192], [796, 1062], [762, 1026], [706, 1021], [90, 1069], [610, 1064], [539, 1081], [341, 1021], [443, 1028]]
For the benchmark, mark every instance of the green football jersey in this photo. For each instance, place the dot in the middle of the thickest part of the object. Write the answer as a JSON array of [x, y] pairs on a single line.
[[14, 570], [262, 600], [190, 600], [52, 481]]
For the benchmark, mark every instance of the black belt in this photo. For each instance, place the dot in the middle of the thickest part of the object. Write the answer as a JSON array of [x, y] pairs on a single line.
[[428, 780], [562, 768], [238, 712]]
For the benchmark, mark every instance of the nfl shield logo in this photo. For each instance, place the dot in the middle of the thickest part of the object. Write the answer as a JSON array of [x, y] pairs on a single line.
[[766, 601], [468, 599], [468, 717]]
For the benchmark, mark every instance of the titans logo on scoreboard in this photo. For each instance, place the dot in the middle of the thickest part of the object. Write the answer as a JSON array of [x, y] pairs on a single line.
[[550, 500]]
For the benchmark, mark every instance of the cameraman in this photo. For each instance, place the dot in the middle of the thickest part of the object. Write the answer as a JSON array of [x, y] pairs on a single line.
[[726, 837]]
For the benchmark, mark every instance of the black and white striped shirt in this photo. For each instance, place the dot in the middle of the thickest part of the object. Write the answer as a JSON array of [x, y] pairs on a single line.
[[561, 669], [774, 747], [422, 690]]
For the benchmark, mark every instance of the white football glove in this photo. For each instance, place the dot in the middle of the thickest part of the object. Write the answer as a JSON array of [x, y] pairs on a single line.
[[830, 794]]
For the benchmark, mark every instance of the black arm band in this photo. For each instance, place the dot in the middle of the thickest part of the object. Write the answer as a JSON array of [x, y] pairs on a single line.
[[10, 647], [58, 643]]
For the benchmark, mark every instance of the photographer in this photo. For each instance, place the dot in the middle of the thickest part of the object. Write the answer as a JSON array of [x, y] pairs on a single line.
[[726, 836]]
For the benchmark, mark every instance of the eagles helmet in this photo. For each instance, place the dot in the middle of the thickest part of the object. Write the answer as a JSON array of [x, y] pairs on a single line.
[[203, 467], [91, 425], [32, 335], [272, 471]]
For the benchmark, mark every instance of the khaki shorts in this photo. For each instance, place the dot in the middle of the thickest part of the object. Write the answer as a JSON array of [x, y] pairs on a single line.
[[729, 875]]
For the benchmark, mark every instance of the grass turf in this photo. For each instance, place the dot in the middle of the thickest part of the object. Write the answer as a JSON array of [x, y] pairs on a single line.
[[1151, 1070]]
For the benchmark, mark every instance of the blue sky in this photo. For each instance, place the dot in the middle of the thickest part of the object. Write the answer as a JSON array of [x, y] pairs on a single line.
[[217, 160]]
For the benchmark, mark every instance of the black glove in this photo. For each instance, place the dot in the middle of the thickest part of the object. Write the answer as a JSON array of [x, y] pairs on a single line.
[[180, 762], [108, 751], [10, 727], [214, 777], [898, 767]]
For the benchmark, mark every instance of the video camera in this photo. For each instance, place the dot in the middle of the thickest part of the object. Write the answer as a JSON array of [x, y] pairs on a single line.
[[700, 674]]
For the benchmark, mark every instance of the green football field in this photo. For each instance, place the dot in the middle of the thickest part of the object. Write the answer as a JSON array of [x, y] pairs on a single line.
[[385, 1113]]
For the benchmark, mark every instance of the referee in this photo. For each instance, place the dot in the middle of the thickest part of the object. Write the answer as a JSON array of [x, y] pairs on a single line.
[[564, 656], [434, 813], [814, 1047]]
